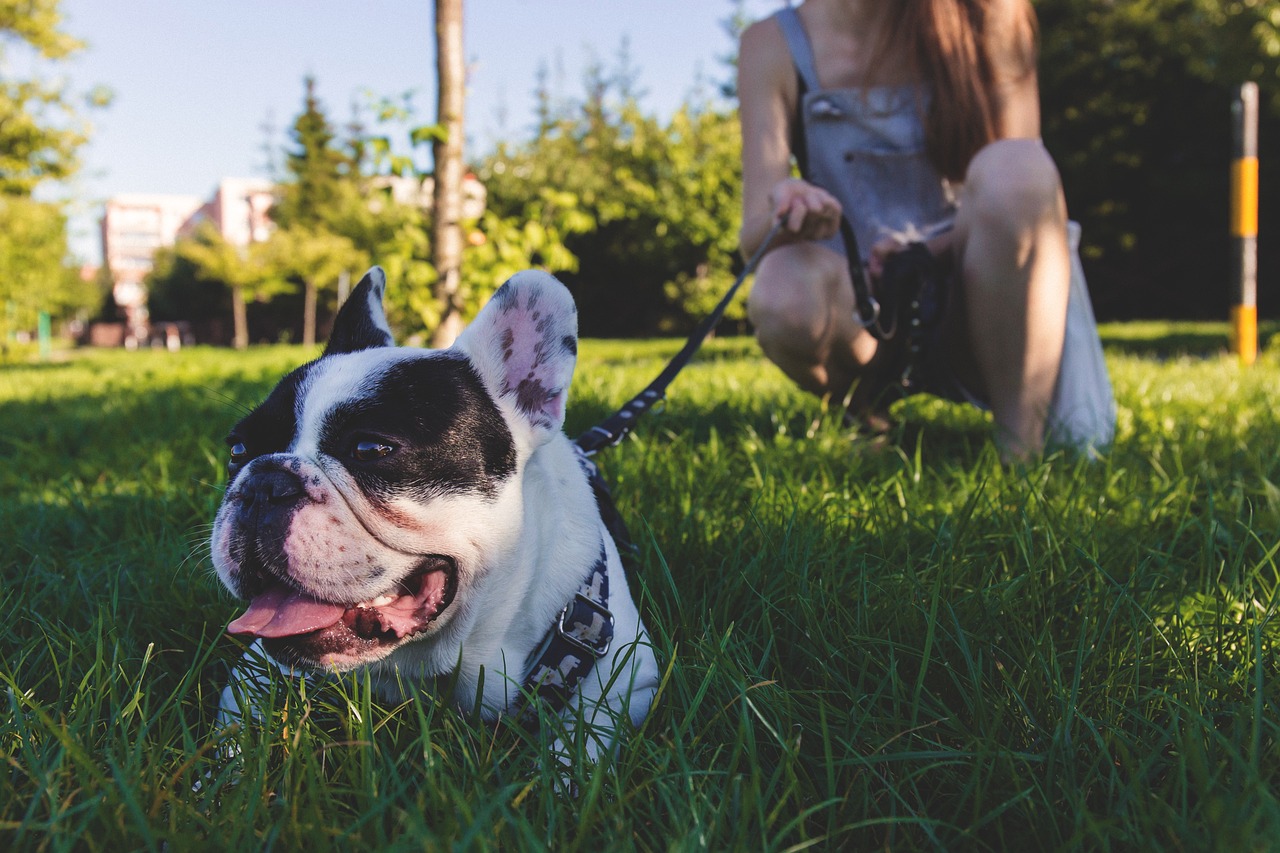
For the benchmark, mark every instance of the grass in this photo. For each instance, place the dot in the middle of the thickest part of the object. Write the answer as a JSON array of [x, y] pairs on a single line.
[[903, 646]]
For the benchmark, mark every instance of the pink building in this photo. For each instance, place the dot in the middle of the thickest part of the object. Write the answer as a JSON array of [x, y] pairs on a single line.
[[134, 225]]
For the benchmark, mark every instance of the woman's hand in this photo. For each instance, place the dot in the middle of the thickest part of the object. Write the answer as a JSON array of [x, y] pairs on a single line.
[[880, 253], [808, 212], [939, 246]]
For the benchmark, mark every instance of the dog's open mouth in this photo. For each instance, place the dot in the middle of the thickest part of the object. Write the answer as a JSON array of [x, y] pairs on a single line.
[[299, 629]]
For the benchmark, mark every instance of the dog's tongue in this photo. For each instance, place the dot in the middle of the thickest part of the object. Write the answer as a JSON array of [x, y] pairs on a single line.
[[283, 612]]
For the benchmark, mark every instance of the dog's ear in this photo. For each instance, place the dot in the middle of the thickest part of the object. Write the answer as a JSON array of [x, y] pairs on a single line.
[[361, 322], [524, 344]]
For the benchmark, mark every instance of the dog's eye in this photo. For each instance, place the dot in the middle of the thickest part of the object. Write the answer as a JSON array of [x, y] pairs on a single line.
[[367, 451], [239, 452]]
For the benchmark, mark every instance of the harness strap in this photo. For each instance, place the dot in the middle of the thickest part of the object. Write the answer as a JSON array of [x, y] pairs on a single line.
[[581, 635]]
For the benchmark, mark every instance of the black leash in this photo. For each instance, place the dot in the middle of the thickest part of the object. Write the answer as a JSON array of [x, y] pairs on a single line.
[[614, 428], [868, 306]]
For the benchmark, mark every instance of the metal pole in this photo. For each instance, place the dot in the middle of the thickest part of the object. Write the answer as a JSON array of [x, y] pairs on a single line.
[[1244, 223]]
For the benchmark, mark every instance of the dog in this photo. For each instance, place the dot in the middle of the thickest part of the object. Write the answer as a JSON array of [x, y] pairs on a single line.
[[421, 516]]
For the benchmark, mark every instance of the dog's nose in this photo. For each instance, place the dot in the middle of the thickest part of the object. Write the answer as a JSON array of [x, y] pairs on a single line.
[[272, 489]]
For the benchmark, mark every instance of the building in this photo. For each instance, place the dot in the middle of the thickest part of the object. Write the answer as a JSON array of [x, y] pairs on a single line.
[[239, 210], [134, 225]]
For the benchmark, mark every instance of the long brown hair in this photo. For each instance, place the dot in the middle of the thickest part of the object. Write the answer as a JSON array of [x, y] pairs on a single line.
[[950, 44]]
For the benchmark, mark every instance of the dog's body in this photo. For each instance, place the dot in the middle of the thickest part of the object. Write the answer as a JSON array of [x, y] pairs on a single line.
[[420, 514]]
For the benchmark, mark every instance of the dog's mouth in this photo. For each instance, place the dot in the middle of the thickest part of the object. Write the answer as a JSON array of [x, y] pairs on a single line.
[[299, 629]]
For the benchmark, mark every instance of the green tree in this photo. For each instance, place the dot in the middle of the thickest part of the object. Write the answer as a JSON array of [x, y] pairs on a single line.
[[41, 133], [650, 209], [243, 271], [33, 274], [320, 175], [316, 258], [1136, 111]]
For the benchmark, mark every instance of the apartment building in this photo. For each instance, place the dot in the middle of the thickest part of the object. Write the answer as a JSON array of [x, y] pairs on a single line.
[[134, 225]]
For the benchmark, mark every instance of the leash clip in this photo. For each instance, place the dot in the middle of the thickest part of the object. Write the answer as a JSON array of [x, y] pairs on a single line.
[[872, 322]]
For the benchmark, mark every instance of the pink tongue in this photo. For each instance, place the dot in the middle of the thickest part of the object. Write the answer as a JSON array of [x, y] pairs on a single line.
[[282, 612]]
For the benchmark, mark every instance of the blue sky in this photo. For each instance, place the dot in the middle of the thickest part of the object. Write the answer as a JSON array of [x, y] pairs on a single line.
[[196, 80]]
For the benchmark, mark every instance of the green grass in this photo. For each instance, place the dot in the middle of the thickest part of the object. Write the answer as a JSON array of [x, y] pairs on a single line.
[[905, 646]]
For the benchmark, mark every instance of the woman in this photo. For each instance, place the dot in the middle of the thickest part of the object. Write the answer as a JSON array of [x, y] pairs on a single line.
[[918, 119]]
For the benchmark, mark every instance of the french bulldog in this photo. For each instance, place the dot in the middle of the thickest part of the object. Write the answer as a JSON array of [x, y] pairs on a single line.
[[420, 515]]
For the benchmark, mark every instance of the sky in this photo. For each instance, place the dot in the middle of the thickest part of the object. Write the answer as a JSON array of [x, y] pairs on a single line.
[[195, 82]]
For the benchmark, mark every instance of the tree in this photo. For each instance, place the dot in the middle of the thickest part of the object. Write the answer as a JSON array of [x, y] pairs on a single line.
[[314, 257], [241, 270], [649, 210], [40, 131], [40, 136], [320, 175], [33, 274], [1136, 99], [447, 151]]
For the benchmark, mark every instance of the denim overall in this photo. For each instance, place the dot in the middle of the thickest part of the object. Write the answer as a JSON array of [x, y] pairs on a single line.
[[867, 148]]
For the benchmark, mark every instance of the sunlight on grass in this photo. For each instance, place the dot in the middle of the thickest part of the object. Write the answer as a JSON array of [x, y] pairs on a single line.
[[866, 644]]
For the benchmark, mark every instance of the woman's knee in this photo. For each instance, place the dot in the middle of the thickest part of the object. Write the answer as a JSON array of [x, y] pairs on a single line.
[[1013, 180], [792, 295]]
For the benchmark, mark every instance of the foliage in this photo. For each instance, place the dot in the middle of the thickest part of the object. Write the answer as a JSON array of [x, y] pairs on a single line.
[[33, 274], [216, 259], [896, 645], [649, 209], [304, 254], [40, 132], [320, 184], [176, 289], [1136, 109], [316, 257]]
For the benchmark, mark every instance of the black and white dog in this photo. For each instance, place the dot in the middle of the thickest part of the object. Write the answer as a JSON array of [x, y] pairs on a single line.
[[420, 514]]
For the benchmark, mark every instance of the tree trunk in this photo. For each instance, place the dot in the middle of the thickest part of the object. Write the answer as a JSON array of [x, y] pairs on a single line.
[[239, 318], [308, 312], [446, 235]]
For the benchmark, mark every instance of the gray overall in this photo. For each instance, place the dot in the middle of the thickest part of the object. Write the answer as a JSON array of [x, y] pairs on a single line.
[[866, 147]]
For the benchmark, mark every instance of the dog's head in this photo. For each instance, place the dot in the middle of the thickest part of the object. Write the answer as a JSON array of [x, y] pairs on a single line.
[[373, 486]]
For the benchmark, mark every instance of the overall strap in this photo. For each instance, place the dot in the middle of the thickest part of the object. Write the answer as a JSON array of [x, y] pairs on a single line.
[[806, 81], [798, 44]]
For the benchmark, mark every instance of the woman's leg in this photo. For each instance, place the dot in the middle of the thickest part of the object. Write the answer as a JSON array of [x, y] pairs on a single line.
[[1015, 269], [802, 308]]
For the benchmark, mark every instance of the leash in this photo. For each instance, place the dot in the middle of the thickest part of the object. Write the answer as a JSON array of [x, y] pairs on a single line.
[[615, 428], [868, 306]]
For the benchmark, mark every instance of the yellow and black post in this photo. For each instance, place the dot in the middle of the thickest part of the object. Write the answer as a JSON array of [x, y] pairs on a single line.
[[1244, 223]]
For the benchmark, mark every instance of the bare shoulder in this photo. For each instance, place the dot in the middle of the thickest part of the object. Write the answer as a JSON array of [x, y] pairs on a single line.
[[763, 54]]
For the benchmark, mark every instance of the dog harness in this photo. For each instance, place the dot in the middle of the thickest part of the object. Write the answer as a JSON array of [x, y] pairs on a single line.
[[581, 635], [583, 630]]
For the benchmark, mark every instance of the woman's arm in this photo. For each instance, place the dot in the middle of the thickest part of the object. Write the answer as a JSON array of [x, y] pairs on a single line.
[[768, 93]]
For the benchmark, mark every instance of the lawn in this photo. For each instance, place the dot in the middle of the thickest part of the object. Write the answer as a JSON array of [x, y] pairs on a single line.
[[866, 645]]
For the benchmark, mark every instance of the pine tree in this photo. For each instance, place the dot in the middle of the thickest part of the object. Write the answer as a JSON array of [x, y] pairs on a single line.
[[316, 168]]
